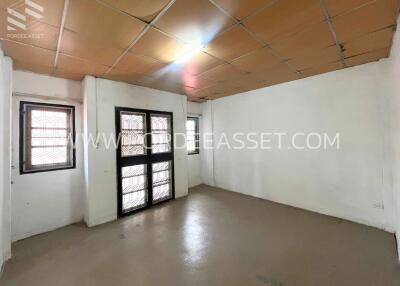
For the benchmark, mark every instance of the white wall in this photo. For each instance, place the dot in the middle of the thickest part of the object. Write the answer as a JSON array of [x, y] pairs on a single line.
[[352, 182], [194, 161], [207, 144], [2, 111], [5, 162], [394, 87], [101, 97], [45, 201]]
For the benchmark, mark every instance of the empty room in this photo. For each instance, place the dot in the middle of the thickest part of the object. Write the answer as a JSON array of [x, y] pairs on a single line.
[[199, 142]]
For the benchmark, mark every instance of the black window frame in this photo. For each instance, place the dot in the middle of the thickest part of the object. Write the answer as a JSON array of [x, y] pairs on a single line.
[[197, 135], [22, 140]]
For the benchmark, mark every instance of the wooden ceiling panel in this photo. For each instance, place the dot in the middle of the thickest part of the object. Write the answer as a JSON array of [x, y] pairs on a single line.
[[32, 68], [168, 86], [172, 74], [160, 46], [194, 21], [185, 72], [280, 73], [100, 25], [100, 38], [177, 75], [29, 55], [313, 38], [200, 63], [68, 75], [220, 74], [143, 9], [242, 8], [129, 77], [370, 42], [368, 57], [197, 82], [249, 82], [74, 44], [311, 59], [221, 89], [336, 7], [139, 64], [147, 81], [232, 43], [257, 62], [322, 69], [79, 66], [378, 15], [284, 18]]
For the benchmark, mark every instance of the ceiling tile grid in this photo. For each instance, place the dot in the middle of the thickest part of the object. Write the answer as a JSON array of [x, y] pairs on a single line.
[[205, 49]]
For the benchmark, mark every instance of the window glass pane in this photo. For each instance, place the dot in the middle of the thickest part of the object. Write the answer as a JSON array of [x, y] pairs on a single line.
[[132, 201], [192, 135], [49, 155], [39, 142], [191, 146], [49, 119], [134, 187], [160, 134], [161, 181], [51, 133], [133, 134], [190, 125]]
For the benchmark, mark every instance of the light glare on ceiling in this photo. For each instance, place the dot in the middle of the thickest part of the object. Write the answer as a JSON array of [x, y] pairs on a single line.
[[189, 54]]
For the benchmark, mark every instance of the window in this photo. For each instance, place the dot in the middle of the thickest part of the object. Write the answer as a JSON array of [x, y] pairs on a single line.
[[47, 134], [192, 135]]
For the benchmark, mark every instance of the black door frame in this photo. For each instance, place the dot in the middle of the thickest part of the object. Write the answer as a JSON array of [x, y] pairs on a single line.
[[149, 158]]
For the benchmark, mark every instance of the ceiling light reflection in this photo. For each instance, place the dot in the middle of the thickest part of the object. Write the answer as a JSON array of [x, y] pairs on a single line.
[[189, 54]]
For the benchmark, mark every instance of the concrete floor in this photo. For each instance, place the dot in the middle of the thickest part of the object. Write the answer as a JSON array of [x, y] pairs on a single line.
[[212, 237]]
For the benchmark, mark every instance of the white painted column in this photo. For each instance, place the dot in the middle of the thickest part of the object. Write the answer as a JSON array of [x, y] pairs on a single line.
[[207, 152], [5, 155], [90, 131]]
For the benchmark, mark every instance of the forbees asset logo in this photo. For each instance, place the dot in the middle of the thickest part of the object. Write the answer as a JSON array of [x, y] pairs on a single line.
[[19, 14]]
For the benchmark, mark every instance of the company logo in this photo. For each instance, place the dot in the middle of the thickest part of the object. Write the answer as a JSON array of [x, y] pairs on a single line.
[[21, 16], [17, 20]]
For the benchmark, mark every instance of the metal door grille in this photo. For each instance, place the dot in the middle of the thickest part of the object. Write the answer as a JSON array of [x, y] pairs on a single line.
[[145, 159]]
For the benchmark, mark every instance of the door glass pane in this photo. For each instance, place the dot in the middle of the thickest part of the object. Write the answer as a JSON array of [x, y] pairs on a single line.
[[160, 134], [161, 181], [133, 126], [134, 187]]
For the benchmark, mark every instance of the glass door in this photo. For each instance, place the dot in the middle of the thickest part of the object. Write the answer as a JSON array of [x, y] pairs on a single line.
[[144, 159]]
